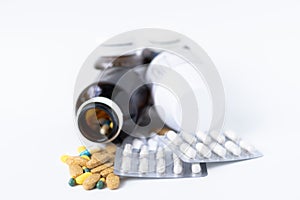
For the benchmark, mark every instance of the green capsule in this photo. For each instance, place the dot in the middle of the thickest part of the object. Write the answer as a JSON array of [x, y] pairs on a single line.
[[72, 182], [86, 170], [100, 185]]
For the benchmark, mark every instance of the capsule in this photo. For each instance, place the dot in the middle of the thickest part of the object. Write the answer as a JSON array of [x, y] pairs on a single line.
[[81, 149], [233, 148], [160, 153], [203, 150], [85, 157], [187, 150], [72, 182], [220, 138], [152, 143], [144, 152], [218, 149], [161, 166], [104, 129], [85, 152], [189, 138], [177, 168], [174, 138], [137, 144], [64, 158], [126, 164], [100, 185], [127, 150], [85, 169], [246, 146], [231, 135], [196, 168], [143, 166], [203, 137]]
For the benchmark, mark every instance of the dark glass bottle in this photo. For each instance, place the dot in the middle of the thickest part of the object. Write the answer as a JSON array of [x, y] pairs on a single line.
[[103, 110]]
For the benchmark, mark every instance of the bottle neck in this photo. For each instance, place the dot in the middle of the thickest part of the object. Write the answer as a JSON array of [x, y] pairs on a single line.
[[99, 120]]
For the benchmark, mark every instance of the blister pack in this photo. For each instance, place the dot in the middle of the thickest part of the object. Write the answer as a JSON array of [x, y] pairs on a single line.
[[209, 147], [151, 158]]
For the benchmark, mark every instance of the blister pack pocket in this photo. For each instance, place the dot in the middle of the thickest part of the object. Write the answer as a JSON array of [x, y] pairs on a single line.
[[209, 147], [150, 158]]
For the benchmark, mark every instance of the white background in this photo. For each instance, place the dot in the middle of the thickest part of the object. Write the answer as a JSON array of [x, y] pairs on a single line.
[[254, 44]]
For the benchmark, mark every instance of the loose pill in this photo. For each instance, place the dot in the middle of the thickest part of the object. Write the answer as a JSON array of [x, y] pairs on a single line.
[[100, 185], [203, 137], [112, 181], [79, 180], [220, 138], [93, 150], [107, 171], [189, 151], [76, 160], [143, 165], [101, 156], [102, 179], [81, 149], [85, 152], [189, 138], [75, 170], [196, 168], [246, 146], [91, 181], [137, 143], [72, 182], [233, 148], [86, 170], [64, 158], [111, 148], [174, 138], [161, 166], [85, 157], [231, 135], [101, 167], [218, 149], [203, 150], [152, 144]]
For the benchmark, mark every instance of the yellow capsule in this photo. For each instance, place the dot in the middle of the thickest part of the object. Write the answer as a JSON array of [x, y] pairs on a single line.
[[64, 158], [81, 149], [85, 157], [80, 179], [102, 179], [111, 125]]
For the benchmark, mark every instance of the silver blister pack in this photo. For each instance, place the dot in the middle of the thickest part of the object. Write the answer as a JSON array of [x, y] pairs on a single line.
[[151, 158], [209, 147]]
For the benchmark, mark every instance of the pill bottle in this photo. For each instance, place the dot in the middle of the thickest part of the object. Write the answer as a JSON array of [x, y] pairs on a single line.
[[144, 82]]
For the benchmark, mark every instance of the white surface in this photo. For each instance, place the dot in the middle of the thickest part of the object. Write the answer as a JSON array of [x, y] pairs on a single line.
[[254, 44]]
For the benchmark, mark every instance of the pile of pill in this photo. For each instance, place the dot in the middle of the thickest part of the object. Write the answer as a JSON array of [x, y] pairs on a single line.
[[209, 147], [93, 168], [150, 158]]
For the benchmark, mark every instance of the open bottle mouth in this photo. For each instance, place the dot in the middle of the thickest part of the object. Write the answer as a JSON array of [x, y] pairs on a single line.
[[98, 122]]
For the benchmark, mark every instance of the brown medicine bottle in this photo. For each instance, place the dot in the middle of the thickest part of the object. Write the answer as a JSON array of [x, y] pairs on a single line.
[[101, 112]]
